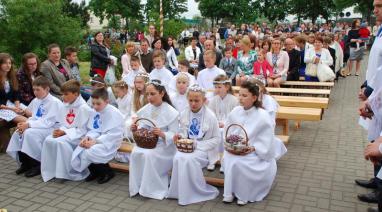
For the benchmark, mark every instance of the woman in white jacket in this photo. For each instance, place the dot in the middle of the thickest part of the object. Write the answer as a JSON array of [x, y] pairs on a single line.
[[317, 55], [171, 56], [192, 53]]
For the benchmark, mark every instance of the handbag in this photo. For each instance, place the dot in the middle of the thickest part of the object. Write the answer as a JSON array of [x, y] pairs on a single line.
[[325, 73], [311, 70]]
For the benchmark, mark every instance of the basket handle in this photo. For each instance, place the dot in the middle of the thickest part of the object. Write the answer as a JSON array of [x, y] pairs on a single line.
[[145, 119], [237, 125]]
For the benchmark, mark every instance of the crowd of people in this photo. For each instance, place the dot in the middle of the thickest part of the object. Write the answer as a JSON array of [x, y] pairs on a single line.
[[68, 131]]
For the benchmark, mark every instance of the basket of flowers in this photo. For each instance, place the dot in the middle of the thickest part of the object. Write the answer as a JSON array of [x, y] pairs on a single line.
[[236, 144], [144, 137]]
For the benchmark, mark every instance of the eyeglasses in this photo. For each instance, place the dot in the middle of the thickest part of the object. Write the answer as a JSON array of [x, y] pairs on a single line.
[[31, 64]]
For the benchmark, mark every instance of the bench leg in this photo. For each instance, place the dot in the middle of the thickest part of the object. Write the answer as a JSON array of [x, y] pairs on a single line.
[[5, 136], [297, 124]]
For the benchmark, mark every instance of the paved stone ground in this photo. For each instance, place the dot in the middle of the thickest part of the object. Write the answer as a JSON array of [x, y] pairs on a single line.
[[317, 174]]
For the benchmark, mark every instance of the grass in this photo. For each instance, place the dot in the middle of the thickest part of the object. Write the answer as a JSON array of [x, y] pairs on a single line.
[[84, 72]]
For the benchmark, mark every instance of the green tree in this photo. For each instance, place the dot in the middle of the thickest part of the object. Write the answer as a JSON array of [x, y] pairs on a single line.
[[312, 9], [273, 10], [76, 10], [172, 9], [31, 25], [127, 9]]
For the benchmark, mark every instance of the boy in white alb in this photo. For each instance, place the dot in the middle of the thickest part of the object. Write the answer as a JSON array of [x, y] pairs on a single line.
[[101, 143], [206, 76], [26, 142], [58, 147], [160, 72]]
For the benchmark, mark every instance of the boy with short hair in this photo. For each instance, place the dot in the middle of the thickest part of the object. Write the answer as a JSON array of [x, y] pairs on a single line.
[[160, 72], [101, 143], [136, 67], [26, 142], [71, 56], [228, 63], [206, 76], [58, 147]]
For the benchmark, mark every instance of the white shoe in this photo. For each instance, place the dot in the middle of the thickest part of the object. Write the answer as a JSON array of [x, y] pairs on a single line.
[[211, 167], [241, 203], [228, 199]]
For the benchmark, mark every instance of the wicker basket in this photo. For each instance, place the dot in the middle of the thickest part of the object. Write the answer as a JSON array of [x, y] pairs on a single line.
[[145, 138], [185, 145], [238, 147]]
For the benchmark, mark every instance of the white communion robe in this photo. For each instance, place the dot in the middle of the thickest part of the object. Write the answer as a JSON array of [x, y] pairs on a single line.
[[270, 104], [130, 77], [124, 106], [149, 168], [206, 79], [250, 177], [163, 74], [43, 121], [222, 107], [106, 128], [187, 181], [179, 101], [172, 85], [57, 152]]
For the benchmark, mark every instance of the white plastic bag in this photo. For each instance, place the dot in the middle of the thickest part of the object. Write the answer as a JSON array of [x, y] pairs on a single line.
[[325, 73], [110, 72]]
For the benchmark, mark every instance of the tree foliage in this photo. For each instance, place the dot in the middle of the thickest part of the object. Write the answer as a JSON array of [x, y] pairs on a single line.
[[172, 9], [126, 9], [313, 9], [31, 25], [77, 11]]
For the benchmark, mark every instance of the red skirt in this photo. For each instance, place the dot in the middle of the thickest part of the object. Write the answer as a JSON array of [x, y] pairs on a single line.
[[99, 71]]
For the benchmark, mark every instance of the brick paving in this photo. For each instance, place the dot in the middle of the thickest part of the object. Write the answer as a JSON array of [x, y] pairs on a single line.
[[317, 174]]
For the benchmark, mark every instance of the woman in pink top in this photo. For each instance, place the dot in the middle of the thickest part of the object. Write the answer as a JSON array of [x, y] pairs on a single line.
[[262, 69], [279, 60]]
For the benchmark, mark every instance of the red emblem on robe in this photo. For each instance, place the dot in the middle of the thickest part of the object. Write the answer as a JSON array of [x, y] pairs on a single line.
[[70, 116]]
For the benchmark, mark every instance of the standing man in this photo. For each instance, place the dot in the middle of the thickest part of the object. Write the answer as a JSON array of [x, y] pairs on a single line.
[[370, 95], [146, 56]]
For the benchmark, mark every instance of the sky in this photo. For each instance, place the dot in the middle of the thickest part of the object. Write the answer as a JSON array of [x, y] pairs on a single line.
[[192, 8]]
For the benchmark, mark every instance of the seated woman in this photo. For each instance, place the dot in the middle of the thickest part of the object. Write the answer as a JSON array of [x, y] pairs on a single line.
[[57, 70], [149, 167], [249, 177], [200, 124], [315, 56], [279, 60]]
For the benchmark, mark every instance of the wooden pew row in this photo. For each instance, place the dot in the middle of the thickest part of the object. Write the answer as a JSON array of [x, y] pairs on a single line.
[[284, 114], [305, 84], [294, 91], [302, 101]]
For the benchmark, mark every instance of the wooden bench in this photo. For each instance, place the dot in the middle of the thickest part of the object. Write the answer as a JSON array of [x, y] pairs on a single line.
[[305, 84], [302, 101], [300, 91], [128, 148], [284, 114]]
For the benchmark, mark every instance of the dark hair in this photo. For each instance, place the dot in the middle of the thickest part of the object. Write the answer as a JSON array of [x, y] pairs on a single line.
[[100, 93], [194, 38], [161, 89], [172, 42], [52, 46], [25, 59], [134, 58], [254, 90], [144, 40], [253, 40], [41, 81], [184, 63], [319, 38], [72, 86], [268, 42], [95, 35], [156, 40], [69, 50], [353, 25]]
